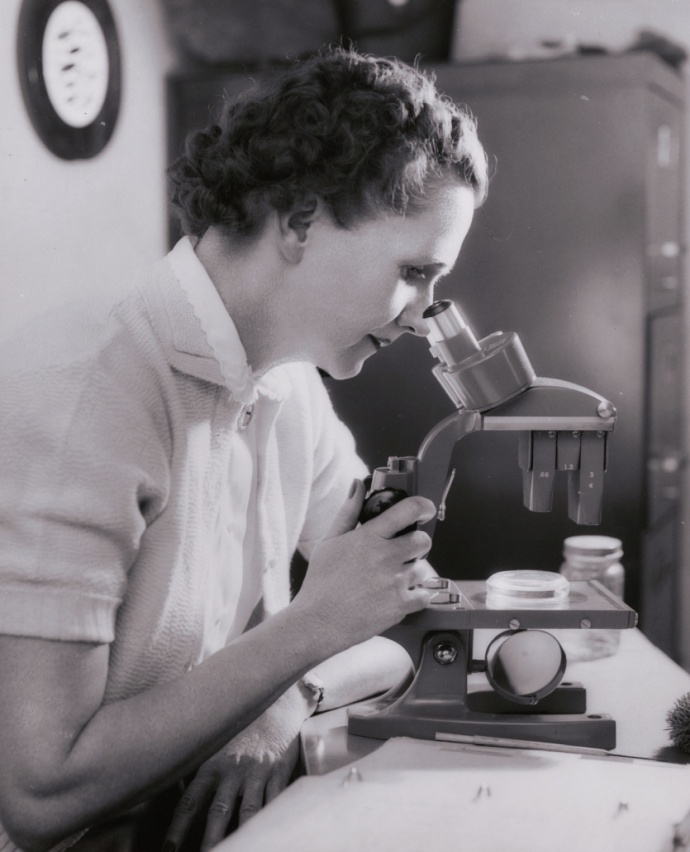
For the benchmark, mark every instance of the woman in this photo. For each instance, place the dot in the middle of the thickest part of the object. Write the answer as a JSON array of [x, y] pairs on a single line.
[[162, 464]]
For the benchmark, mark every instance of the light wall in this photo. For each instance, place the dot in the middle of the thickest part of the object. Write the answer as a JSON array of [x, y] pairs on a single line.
[[516, 28], [69, 226]]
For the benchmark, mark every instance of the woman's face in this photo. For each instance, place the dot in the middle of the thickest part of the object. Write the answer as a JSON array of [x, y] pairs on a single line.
[[372, 283]]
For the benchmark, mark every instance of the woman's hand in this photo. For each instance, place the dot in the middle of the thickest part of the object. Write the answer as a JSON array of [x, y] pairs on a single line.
[[246, 774], [364, 579]]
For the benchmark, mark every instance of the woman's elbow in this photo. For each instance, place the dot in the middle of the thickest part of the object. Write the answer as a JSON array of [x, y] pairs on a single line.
[[25, 834], [29, 821]]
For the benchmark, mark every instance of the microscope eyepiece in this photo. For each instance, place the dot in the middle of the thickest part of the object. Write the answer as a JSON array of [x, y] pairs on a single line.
[[449, 331], [437, 308]]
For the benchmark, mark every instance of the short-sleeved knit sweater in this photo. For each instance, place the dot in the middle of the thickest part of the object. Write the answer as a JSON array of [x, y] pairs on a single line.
[[114, 439]]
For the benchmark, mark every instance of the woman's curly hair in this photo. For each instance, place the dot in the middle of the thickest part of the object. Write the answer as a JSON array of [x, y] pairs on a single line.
[[364, 134]]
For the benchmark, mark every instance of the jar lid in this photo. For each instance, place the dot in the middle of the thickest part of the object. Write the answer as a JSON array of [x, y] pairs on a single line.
[[592, 545]]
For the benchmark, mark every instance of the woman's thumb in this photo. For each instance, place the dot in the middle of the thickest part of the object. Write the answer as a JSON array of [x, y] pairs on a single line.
[[348, 515]]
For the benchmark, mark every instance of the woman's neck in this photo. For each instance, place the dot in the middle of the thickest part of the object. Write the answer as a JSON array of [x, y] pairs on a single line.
[[248, 280]]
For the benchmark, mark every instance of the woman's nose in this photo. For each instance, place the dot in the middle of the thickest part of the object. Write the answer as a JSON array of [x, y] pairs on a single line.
[[412, 318]]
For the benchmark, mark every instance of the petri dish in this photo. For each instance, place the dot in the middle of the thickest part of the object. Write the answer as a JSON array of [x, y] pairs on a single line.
[[526, 589]]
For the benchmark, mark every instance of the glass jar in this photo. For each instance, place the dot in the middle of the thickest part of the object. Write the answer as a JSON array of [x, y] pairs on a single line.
[[592, 557]]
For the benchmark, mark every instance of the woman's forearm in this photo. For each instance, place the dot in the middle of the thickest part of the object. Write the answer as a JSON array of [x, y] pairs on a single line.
[[133, 748], [69, 761], [367, 669]]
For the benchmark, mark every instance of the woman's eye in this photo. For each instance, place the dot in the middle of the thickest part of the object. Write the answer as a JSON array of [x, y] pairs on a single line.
[[414, 273]]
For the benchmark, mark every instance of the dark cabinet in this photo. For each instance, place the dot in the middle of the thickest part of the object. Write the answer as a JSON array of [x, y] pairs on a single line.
[[578, 249]]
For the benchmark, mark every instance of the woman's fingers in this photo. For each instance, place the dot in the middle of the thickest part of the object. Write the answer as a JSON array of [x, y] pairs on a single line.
[[402, 515], [252, 796], [190, 805], [219, 814], [258, 788], [346, 517], [417, 573], [276, 784]]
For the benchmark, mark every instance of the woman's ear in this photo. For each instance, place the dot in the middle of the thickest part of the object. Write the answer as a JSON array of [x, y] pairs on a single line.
[[295, 224]]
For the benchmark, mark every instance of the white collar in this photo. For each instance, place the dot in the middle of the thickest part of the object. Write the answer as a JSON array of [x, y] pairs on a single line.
[[220, 331]]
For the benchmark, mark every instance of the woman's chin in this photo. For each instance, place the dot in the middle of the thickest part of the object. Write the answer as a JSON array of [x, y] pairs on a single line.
[[342, 374], [343, 368]]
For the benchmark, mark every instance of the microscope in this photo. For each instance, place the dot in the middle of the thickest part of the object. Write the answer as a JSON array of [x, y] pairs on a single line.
[[561, 427]]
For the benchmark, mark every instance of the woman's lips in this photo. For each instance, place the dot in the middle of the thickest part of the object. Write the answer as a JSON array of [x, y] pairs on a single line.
[[379, 342]]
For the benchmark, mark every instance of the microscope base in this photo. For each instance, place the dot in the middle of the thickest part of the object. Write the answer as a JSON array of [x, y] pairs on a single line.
[[566, 699], [438, 701], [593, 731]]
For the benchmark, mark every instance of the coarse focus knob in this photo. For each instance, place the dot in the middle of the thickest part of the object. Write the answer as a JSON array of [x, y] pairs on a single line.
[[379, 501]]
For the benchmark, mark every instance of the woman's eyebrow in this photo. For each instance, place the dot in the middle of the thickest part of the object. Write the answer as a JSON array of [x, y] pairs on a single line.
[[438, 266]]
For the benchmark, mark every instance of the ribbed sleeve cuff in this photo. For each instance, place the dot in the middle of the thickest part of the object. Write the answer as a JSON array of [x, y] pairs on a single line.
[[62, 615]]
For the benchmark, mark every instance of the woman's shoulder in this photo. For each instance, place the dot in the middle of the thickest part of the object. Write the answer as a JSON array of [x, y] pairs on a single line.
[[78, 330]]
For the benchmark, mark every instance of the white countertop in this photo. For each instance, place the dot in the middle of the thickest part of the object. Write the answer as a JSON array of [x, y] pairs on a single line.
[[425, 796]]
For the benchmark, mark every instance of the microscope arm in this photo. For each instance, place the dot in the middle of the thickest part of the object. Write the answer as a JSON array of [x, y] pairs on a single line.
[[562, 426]]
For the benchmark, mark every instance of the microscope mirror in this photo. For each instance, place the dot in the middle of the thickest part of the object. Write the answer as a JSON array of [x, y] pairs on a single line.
[[525, 665]]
